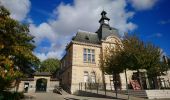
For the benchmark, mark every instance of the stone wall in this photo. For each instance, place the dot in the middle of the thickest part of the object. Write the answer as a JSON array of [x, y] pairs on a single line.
[[157, 94], [32, 84], [31, 87]]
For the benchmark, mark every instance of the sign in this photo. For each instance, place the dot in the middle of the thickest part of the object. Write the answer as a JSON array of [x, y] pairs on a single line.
[[135, 84]]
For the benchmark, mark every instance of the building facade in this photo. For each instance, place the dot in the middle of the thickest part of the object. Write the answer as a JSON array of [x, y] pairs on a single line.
[[81, 63]]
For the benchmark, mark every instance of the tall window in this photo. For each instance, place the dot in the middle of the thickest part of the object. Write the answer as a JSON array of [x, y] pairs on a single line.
[[89, 55], [86, 76], [85, 55]]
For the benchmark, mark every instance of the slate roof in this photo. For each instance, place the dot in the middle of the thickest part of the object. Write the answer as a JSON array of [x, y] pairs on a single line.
[[105, 30], [86, 37], [102, 33]]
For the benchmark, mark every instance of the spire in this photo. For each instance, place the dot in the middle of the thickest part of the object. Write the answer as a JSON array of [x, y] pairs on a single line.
[[104, 19]]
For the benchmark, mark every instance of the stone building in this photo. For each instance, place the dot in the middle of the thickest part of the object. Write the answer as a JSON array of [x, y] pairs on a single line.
[[81, 61], [81, 64]]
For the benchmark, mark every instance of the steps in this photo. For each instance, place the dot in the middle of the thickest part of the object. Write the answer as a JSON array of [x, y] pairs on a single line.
[[138, 93], [150, 94]]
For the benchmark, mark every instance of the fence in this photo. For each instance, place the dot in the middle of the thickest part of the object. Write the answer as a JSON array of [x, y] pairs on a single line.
[[96, 87]]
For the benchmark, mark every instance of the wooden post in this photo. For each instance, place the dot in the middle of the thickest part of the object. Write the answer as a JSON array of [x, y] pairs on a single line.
[[90, 87], [85, 86], [81, 85], [97, 87]]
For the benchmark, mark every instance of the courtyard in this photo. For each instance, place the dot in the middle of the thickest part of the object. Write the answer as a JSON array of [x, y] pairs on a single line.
[[66, 96]]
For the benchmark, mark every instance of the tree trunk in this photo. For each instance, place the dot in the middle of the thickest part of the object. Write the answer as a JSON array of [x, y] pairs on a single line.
[[159, 86], [104, 84], [127, 88], [140, 79], [115, 83]]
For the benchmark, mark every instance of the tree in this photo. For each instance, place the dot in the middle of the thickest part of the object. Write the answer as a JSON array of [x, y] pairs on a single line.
[[168, 61], [143, 55], [134, 51], [135, 55], [16, 46], [50, 65], [101, 61], [112, 64]]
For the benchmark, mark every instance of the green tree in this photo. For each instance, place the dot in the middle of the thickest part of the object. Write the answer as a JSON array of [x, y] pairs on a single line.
[[101, 63], [112, 64], [135, 55], [50, 65], [143, 56], [135, 50], [16, 46]]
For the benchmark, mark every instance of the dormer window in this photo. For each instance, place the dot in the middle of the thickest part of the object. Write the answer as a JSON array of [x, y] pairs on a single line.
[[87, 38]]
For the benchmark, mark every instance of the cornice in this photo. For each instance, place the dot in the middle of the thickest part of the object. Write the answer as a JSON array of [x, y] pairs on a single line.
[[87, 44], [110, 42], [89, 65]]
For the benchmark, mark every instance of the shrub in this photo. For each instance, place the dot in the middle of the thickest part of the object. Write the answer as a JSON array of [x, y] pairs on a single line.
[[6, 95]]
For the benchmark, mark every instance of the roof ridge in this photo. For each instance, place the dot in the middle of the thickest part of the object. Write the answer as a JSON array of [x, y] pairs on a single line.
[[86, 32]]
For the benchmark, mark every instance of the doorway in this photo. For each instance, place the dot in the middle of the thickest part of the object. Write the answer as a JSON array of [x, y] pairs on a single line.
[[41, 85]]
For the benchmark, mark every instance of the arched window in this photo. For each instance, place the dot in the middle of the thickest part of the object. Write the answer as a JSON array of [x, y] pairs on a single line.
[[86, 76]]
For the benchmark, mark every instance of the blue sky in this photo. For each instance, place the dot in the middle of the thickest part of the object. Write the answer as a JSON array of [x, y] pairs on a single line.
[[54, 22]]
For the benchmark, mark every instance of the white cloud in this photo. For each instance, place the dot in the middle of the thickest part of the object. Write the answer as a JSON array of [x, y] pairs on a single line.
[[156, 35], [143, 4], [50, 54], [18, 8], [44, 30], [84, 15]]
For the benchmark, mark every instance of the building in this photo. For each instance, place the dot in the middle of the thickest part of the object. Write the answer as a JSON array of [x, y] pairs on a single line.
[[81, 61], [81, 64]]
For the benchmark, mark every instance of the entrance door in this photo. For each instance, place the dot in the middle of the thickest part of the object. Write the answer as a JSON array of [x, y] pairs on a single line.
[[41, 85]]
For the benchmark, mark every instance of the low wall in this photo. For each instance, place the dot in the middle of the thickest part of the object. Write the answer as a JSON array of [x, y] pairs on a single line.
[[156, 94], [150, 94]]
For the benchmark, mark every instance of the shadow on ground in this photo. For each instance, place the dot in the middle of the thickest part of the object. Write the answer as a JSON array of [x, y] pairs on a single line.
[[90, 94], [70, 99]]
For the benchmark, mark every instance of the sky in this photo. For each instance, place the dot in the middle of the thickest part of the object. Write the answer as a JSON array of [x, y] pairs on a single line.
[[54, 22]]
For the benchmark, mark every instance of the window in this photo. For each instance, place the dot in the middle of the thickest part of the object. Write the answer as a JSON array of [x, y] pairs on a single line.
[[86, 76], [93, 77], [89, 55], [85, 55], [93, 56]]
